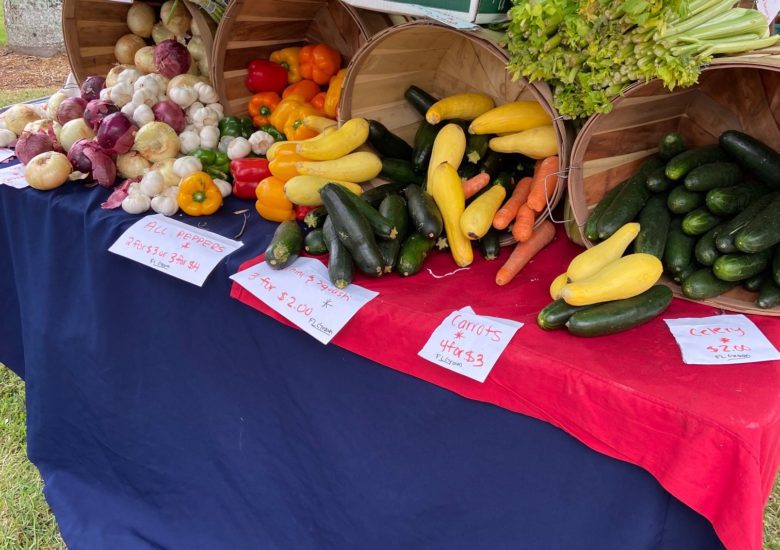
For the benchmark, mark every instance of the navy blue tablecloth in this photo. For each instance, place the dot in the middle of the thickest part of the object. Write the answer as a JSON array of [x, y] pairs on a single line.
[[163, 415]]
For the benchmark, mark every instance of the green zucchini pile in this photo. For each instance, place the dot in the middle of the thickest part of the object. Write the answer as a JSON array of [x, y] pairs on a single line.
[[711, 214]]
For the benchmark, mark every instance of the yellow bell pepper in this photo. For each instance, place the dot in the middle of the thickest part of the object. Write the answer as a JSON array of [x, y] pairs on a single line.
[[334, 93], [199, 195], [272, 203], [288, 58], [284, 164], [285, 110], [294, 128]]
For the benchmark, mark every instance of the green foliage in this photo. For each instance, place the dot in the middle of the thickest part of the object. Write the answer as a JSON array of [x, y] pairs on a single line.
[[10, 97]]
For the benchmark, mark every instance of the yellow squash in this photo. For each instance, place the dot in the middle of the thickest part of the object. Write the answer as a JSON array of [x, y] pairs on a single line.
[[511, 117], [356, 167], [478, 217], [537, 143], [626, 277], [305, 190], [448, 195], [319, 123], [274, 149], [595, 259], [343, 141], [449, 146], [462, 106], [558, 283]]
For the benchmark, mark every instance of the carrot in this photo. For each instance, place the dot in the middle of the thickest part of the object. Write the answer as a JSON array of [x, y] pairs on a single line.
[[508, 211], [524, 252], [473, 185], [524, 223], [545, 182]]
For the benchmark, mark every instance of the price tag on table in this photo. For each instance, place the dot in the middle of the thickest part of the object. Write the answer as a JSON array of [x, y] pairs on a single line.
[[13, 176], [303, 294], [5, 154], [175, 248], [721, 340], [469, 344]]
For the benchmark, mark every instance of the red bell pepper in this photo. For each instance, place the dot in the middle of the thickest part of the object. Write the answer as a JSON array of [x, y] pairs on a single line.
[[301, 211], [266, 76], [247, 173]]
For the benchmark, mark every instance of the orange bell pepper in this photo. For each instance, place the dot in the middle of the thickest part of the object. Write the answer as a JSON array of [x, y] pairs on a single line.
[[283, 165], [318, 102], [319, 63], [334, 93], [272, 203], [285, 110], [294, 128], [261, 106], [307, 89]]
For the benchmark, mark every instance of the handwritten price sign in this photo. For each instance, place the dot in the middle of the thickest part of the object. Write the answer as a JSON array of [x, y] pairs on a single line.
[[13, 176], [303, 294], [469, 344], [722, 339], [175, 248]]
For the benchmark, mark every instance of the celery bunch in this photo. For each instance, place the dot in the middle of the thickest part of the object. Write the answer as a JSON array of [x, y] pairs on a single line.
[[590, 50]]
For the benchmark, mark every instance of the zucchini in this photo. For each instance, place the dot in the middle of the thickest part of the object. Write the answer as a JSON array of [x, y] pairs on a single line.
[[285, 245], [394, 209], [657, 180], [702, 284], [738, 267], [699, 221], [314, 242], [476, 148], [419, 99], [756, 157], [442, 243], [682, 201], [353, 229], [679, 166], [670, 145], [768, 294], [490, 245], [381, 226], [556, 314], [620, 315], [776, 265], [376, 195], [678, 253], [629, 202], [424, 215], [340, 267], [654, 220], [713, 175], [400, 171], [591, 225], [753, 284], [705, 251], [727, 237], [466, 170], [413, 253], [315, 218], [762, 232], [423, 146], [726, 201], [387, 143]]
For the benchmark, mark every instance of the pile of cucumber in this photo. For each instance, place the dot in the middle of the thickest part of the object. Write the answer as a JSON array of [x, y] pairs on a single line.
[[711, 214]]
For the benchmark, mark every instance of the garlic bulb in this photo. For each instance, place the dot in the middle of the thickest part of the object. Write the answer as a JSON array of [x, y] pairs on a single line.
[[209, 137], [143, 96], [143, 114], [183, 96], [136, 203], [122, 93], [186, 166], [206, 93], [167, 206], [190, 141], [224, 187]]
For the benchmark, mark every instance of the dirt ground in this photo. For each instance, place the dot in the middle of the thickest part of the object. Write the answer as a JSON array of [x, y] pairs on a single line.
[[24, 71]]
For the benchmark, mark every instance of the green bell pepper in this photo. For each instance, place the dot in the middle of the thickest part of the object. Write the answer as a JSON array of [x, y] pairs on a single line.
[[236, 126], [273, 132], [215, 163]]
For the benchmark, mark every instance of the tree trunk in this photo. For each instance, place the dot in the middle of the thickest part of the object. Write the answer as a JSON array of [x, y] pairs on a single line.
[[34, 26]]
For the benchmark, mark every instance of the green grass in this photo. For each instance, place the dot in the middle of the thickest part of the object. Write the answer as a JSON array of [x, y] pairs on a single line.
[[9, 97]]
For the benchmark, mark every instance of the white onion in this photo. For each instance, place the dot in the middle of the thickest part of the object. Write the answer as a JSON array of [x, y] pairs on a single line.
[[196, 48], [113, 75], [165, 168], [140, 19], [53, 104], [160, 33], [47, 170], [157, 141], [132, 165], [179, 24], [17, 117], [144, 59], [125, 48], [73, 131]]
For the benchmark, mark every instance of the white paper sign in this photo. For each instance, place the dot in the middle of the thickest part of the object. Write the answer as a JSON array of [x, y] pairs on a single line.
[[720, 340], [303, 294], [469, 344], [13, 176], [443, 17], [769, 8], [175, 248], [5, 154]]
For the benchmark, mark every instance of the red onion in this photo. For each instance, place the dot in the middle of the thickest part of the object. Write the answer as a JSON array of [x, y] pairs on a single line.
[[97, 110], [70, 108], [116, 134], [91, 87], [171, 58], [31, 144], [171, 114], [88, 157]]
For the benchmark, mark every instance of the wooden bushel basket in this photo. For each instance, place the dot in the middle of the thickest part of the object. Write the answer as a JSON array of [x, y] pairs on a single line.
[[442, 61], [734, 93], [91, 28], [252, 29]]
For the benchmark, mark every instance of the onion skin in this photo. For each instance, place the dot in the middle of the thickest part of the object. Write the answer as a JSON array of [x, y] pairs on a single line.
[[171, 58], [88, 157], [116, 134], [171, 114], [70, 109], [91, 87], [97, 110], [47, 171], [32, 144]]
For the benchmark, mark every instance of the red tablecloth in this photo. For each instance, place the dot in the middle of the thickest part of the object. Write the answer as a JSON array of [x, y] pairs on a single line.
[[709, 434]]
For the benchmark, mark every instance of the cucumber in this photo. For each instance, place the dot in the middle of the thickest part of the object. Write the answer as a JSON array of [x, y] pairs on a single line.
[[381, 226], [629, 201], [753, 284], [713, 175], [699, 221], [352, 229], [703, 284], [671, 145], [389, 251], [591, 225], [419, 99], [493, 163], [314, 242], [340, 267], [679, 166], [315, 218], [762, 232], [375, 196], [413, 253], [490, 245], [466, 170], [738, 267], [556, 314], [394, 209], [620, 315], [654, 220], [285, 245], [423, 145], [476, 148], [776, 265], [387, 143], [705, 251], [726, 201], [726, 237], [400, 171], [424, 215], [682, 201], [678, 253], [689, 270], [657, 180], [756, 157], [768, 295]]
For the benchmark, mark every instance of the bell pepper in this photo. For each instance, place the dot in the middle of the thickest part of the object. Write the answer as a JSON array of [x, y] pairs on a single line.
[[215, 163], [234, 126], [285, 110], [265, 76], [272, 204], [301, 211], [284, 165], [261, 106], [319, 62], [199, 195], [274, 133], [294, 128], [288, 58], [318, 102], [334, 93], [307, 89], [247, 173]]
